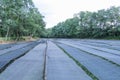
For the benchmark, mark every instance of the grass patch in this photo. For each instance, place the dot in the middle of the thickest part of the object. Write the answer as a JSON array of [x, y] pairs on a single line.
[[14, 39], [112, 38], [3, 40]]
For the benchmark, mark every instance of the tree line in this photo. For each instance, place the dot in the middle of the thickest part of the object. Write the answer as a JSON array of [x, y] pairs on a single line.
[[104, 23], [20, 18]]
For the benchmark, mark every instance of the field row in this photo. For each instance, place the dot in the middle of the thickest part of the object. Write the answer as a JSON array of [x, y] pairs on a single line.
[[61, 59]]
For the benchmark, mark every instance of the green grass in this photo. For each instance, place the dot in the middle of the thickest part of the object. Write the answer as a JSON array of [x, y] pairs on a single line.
[[2, 39], [14, 39], [8, 39]]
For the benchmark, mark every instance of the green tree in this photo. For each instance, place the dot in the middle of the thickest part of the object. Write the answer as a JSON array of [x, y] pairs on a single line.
[[20, 18]]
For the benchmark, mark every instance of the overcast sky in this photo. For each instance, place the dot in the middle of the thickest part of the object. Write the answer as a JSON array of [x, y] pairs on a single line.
[[56, 11]]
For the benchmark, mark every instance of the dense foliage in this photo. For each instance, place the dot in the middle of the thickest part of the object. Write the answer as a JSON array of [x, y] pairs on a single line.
[[100, 24], [20, 18]]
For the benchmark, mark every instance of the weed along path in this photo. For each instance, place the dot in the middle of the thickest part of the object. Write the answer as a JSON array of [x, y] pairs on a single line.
[[61, 59]]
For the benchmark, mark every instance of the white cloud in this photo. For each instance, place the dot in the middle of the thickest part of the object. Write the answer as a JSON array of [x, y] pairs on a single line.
[[58, 10]]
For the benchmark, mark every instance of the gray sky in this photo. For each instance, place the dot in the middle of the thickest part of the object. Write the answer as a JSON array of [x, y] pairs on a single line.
[[56, 11]]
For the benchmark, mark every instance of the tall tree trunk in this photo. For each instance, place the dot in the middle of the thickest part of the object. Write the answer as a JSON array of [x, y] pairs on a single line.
[[8, 29]]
